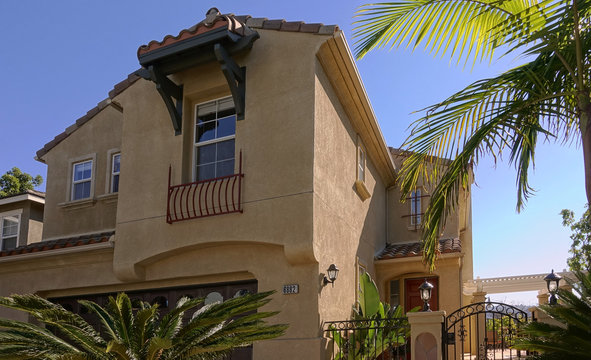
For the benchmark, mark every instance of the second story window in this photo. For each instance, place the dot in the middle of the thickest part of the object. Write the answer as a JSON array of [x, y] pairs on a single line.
[[115, 168], [9, 225], [415, 207], [360, 163], [81, 180], [215, 130]]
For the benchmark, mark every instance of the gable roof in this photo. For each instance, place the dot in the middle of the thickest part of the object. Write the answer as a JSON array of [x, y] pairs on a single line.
[[395, 251], [233, 21], [117, 89]]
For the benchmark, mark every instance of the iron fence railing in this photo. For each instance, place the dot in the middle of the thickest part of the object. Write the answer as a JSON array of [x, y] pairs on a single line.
[[383, 339], [221, 195]]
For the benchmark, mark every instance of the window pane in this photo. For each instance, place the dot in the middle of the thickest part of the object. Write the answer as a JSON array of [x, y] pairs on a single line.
[[82, 190], [9, 243], [206, 131], [225, 168], [206, 154], [205, 172], [226, 126], [83, 171], [10, 226], [115, 183], [116, 163], [395, 293], [225, 150]]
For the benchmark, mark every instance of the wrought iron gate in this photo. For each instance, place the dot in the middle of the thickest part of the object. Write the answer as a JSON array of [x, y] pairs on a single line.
[[482, 331]]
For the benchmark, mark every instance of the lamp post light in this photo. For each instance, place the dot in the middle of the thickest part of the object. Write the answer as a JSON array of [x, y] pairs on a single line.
[[332, 274], [425, 291], [552, 282]]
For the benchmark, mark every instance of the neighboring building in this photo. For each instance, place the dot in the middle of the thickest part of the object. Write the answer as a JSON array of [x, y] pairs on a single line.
[[21, 220], [243, 156]]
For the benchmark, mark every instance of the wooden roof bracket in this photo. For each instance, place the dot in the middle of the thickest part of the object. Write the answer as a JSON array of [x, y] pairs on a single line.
[[168, 90], [236, 77]]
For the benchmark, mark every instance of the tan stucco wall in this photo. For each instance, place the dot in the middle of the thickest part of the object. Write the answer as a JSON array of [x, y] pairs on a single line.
[[346, 227], [94, 139], [35, 231], [73, 273]]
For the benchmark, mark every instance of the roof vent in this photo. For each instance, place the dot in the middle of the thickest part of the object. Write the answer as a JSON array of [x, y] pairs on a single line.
[[210, 16]]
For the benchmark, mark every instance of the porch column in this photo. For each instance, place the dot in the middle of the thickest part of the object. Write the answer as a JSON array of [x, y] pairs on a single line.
[[543, 298], [478, 328], [425, 334]]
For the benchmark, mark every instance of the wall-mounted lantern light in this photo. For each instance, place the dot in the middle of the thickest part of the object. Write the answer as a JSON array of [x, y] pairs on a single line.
[[425, 291], [552, 281], [331, 274]]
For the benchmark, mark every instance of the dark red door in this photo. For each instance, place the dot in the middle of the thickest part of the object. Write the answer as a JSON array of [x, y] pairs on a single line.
[[412, 297]]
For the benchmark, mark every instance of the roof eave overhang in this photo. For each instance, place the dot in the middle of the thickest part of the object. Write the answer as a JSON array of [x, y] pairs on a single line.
[[415, 258], [338, 63], [22, 197], [195, 51]]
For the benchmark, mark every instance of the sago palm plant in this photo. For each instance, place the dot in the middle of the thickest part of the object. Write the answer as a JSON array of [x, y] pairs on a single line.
[[547, 97], [138, 333], [572, 338]]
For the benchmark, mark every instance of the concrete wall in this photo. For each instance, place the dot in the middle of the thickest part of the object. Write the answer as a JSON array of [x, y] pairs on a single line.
[[96, 139]]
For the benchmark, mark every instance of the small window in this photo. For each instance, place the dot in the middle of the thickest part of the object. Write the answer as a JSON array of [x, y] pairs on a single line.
[[215, 132], [394, 293], [9, 230], [360, 163], [115, 168], [81, 180], [415, 207]]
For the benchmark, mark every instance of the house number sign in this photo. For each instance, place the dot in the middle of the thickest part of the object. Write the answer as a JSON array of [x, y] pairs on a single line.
[[291, 289]]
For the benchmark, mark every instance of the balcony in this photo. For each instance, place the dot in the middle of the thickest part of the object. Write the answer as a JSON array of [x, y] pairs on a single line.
[[218, 196]]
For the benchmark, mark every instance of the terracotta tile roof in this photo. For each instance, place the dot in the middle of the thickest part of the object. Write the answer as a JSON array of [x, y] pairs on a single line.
[[59, 244], [395, 251], [133, 77], [239, 24]]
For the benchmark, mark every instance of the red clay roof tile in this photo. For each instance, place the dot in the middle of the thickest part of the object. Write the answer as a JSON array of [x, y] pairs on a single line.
[[395, 251], [59, 244]]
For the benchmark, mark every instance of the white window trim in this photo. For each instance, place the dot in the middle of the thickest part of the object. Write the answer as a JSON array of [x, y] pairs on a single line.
[[360, 184], [18, 228], [70, 182], [208, 142], [113, 174], [109, 172], [413, 213]]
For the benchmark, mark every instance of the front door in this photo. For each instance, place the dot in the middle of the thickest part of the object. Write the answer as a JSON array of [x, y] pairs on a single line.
[[412, 296]]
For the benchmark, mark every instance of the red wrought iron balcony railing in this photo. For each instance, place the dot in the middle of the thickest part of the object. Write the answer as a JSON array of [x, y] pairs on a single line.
[[218, 196]]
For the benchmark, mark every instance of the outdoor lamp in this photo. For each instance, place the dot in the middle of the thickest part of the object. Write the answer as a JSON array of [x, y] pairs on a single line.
[[425, 291], [332, 273], [552, 281]]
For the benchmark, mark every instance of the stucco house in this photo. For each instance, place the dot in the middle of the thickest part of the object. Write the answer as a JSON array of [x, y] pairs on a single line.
[[244, 155]]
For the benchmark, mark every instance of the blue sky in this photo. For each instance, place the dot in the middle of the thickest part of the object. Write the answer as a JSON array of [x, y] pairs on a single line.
[[60, 58]]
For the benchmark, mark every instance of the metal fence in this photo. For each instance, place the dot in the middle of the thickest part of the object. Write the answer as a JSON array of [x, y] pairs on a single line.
[[383, 339]]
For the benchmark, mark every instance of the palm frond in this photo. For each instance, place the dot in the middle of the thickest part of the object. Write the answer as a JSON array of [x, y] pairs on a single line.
[[464, 29]]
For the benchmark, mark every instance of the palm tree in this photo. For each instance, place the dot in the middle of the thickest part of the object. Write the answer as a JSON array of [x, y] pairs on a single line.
[[546, 97], [572, 338], [134, 332]]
